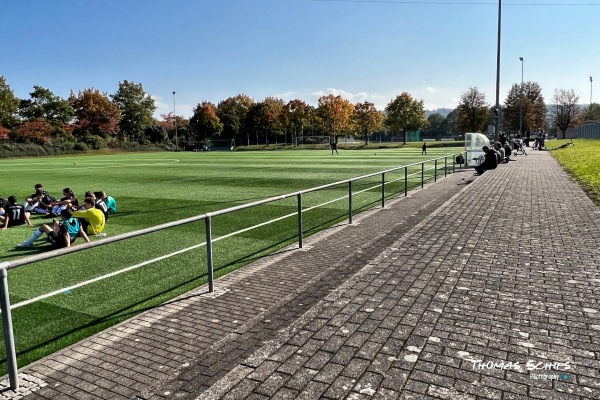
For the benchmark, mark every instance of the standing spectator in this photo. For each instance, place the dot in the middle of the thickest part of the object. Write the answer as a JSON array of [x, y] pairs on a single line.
[[502, 139], [424, 149], [334, 147], [541, 145]]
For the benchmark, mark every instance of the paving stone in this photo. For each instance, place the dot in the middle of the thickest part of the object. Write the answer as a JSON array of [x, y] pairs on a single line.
[[395, 305]]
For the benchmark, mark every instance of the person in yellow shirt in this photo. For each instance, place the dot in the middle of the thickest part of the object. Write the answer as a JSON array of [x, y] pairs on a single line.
[[92, 219]]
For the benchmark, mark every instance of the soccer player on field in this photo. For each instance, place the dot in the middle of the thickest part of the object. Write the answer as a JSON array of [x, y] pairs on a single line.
[[110, 202], [14, 214], [91, 218], [69, 200], [40, 201], [99, 203], [62, 234]]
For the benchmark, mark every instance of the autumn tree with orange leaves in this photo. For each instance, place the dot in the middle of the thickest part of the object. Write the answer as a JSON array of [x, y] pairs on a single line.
[[336, 114], [37, 131], [367, 119], [205, 123], [405, 114], [95, 114]]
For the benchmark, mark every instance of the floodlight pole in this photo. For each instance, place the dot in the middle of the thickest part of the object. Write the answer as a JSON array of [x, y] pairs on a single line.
[[175, 123], [521, 109], [590, 90], [498, 70]]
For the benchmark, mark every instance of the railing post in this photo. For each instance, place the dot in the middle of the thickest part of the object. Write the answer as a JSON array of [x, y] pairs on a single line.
[[445, 166], [209, 254], [435, 170], [405, 181], [453, 163], [382, 189], [350, 202], [9, 338], [422, 175], [300, 229]]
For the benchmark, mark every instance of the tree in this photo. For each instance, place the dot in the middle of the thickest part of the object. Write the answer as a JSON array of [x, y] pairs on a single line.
[[472, 111], [533, 106], [336, 113], [232, 114], [435, 126], [298, 115], [367, 119], [156, 133], [37, 131], [9, 105], [137, 108], [405, 114], [176, 127], [565, 110], [95, 114], [45, 104], [255, 120], [448, 126], [4, 133], [274, 118], [592, 113], [205, 123]]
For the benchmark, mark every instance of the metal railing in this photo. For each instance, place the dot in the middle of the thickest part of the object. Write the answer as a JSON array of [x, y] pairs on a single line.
[[6, 307]]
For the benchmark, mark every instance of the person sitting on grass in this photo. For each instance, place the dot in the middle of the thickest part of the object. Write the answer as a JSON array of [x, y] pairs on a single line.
[[69, 200], [490, 161], [61, 234], [14, 214], [92, 219], [111, 203], [99, 204], [40, 201]]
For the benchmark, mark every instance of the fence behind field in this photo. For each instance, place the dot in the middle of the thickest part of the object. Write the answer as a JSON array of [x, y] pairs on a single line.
[[416, 174]]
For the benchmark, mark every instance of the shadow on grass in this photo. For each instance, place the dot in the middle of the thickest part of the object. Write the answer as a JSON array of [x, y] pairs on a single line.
[[154, 301], [173, 294]]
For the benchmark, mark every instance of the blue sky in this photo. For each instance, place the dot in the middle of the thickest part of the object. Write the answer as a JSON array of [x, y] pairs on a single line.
[[362, 50]]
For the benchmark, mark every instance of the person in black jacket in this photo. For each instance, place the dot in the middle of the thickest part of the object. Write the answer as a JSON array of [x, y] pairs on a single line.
[[490, 161]]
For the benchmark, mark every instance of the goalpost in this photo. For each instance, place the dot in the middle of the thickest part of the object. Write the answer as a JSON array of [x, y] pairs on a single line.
[[221, 144], [312, 140]]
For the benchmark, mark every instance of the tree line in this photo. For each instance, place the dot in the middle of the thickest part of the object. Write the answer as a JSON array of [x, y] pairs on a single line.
[[93, 119]]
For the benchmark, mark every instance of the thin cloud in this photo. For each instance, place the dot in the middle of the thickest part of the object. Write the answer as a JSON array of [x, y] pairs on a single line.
[[359, 97], [165, 107]]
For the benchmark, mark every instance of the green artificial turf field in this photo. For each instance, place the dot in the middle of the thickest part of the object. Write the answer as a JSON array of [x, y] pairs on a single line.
[[154, 188]]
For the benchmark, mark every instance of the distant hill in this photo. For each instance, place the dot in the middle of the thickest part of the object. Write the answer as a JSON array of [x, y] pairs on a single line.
[[443, 111]]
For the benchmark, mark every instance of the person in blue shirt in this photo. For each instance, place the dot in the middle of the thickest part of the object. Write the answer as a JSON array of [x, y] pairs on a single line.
[[62, 234]]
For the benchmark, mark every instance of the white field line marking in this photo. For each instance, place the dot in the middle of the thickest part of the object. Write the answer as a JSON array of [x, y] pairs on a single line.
[[99, 278], [135, 266], [63, 168]]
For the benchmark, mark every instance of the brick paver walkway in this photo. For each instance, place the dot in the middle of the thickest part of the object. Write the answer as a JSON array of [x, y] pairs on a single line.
[[487, 290]]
